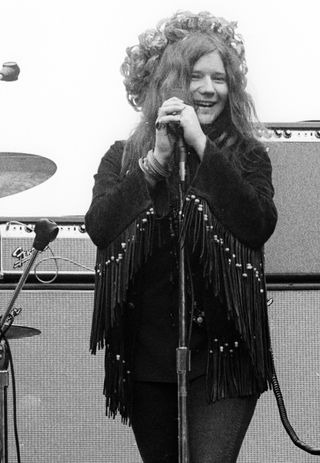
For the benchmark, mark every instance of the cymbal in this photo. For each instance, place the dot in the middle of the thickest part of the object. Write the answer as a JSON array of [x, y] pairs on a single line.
[[18, 331], [21, 171]]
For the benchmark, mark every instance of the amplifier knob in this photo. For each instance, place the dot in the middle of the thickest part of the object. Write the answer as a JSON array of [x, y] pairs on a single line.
[[278, 132]]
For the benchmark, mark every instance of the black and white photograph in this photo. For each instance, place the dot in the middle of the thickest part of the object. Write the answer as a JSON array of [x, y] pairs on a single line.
[[159, 231]]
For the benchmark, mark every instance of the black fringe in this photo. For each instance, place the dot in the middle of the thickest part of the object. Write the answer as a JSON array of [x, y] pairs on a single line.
[[117, 386], [115, 267], [236, 273], [229, 371]]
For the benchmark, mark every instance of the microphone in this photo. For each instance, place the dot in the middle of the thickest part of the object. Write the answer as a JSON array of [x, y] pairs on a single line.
[[9, 71], [46, 231], [175, 128], [183, 95]]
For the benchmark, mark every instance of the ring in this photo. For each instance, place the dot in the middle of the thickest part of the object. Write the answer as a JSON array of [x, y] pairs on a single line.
[[160, 125]]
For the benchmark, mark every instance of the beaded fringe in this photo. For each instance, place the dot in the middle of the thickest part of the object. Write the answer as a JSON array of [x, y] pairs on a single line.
[[236, 273], [117, 386], [229, 371], [115, 267]]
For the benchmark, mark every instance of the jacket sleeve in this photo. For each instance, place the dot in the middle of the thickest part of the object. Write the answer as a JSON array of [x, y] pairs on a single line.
[[242, 202], [116, 200]]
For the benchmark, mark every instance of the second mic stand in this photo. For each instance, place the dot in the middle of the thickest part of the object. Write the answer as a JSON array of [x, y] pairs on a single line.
[[46, 231], [182, 352], [4, 383]]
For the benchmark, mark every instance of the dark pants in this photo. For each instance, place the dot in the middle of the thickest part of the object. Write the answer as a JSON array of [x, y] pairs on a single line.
[[216, 431]]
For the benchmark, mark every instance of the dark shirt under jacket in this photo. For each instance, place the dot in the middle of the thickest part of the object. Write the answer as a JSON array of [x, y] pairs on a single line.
[[158, 330]]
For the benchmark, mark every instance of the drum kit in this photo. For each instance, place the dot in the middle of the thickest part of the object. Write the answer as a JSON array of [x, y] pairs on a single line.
[[20, 172]]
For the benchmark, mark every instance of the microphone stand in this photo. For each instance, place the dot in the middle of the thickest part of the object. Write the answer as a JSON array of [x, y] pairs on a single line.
[[46, 231], [182, 352], [4, 383]]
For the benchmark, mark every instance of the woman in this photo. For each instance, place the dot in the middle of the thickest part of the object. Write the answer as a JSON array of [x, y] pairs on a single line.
[[188, 79]]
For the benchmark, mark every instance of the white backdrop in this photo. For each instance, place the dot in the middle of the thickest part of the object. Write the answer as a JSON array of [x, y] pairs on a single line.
[[69, 103]]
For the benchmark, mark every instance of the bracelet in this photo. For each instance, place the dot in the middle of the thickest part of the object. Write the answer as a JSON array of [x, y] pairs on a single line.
[[155, 165], [152, 167], [145, 167]]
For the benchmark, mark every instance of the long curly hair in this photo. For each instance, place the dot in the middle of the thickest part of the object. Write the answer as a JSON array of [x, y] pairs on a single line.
[[164, 59]]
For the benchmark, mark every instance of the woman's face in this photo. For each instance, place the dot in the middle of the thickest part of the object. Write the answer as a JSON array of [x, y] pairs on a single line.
[[208, 87]]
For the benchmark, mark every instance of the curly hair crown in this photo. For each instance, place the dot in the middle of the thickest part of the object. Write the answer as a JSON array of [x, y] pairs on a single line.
[[142, 59]]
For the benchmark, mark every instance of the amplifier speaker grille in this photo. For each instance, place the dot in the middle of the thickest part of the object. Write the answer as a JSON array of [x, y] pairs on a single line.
[[294, 246], [61, 414], [61, 408], [294, 323]]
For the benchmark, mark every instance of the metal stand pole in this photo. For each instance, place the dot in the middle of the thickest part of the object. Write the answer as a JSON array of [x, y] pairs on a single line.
[[4, 383], [18, 288], [183, 354]]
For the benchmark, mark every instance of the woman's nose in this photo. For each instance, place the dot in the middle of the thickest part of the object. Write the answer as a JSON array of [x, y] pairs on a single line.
[[207, 86]]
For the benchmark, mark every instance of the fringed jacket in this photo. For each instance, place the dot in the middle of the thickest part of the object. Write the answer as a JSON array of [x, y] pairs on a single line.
[[227, 215]]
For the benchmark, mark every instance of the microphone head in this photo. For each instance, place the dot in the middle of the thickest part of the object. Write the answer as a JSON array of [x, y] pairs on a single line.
[[9, 71], [46, 231], [181, 93]]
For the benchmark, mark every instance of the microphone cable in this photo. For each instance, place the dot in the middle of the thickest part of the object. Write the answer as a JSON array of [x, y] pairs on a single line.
[[55, 259], [284, 417]]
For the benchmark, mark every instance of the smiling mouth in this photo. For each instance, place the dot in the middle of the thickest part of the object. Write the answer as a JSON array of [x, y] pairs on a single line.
[[204, 104]]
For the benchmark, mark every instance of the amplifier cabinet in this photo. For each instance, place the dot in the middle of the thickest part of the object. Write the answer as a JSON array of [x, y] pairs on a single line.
[[294, 248], [72, 252], [61, 409]]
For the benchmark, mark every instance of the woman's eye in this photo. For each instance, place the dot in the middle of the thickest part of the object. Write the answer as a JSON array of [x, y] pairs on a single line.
[[219, 78]]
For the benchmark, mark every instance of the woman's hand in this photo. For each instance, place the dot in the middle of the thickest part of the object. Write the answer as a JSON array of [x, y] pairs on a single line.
[[174, 111]]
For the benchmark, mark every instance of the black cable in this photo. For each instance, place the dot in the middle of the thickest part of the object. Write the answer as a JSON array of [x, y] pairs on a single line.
[[284, 417], [282, 408]]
